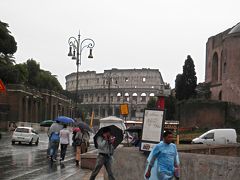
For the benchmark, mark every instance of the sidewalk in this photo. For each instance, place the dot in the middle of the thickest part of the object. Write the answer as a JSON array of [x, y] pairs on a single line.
[[100, 176], [85, 176]]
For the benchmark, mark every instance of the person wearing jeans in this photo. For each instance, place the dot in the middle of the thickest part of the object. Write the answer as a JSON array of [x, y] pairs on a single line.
[[105, 152]]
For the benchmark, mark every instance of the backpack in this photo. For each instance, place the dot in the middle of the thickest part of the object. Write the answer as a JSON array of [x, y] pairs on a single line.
[[55, 137]]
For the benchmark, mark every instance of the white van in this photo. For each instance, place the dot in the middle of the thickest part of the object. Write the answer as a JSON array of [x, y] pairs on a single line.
[[217, 136]]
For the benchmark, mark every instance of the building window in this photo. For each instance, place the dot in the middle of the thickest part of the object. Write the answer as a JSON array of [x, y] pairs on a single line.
[[143, 79], [126, 79], [104, 99], [152, 95], [118, 98], [126, 97], [224, 67], [134, 97], [215, 68], [220, 96], [143, 97]]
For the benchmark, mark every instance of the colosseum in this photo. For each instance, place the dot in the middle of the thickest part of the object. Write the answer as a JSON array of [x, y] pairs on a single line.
[[102, 93], [223, 65]]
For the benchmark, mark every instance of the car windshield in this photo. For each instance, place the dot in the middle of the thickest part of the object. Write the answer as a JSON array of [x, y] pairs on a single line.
[[23, 130]]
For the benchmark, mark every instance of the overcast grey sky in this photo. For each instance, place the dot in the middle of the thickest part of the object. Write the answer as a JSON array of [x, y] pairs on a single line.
[[128, 33]]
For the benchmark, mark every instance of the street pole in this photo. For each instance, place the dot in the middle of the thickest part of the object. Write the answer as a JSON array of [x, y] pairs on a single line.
[[76, 45], [109, 94]]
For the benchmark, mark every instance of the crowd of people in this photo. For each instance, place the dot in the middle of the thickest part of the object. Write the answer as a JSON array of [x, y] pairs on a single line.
[[59, 135], [163, 161]]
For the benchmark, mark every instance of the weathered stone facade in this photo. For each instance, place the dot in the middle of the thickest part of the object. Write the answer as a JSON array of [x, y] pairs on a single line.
[[22, 104], [223, 65], [104, 92]]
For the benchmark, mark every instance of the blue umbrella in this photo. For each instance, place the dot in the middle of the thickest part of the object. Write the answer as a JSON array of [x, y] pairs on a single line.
[[64, 119]]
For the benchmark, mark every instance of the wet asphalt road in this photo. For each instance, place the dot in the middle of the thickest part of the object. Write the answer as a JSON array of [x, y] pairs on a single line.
[[30, 162]]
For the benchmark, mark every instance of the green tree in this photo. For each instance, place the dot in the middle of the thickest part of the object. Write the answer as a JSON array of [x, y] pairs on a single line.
[[8, 45], [185, 83], [190, 78], [152, 103], [47, 81], [170, 106], [21, 73], [33, 69], [179, 87]]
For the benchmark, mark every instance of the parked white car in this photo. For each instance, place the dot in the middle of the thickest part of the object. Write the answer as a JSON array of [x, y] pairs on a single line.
[[217, 136], [26, 135]]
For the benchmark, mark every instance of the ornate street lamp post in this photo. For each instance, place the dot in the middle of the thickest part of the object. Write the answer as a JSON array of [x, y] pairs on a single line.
[[76, 46]]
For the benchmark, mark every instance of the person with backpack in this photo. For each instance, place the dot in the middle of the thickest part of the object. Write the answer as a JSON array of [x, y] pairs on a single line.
[[54, 138]]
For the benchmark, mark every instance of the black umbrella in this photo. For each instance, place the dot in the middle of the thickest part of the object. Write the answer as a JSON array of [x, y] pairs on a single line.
[[115, 131], [47, 123], [84, 126], [134, 129]]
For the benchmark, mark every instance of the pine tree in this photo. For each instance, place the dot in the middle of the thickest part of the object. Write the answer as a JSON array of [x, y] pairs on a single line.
[[186, 82]]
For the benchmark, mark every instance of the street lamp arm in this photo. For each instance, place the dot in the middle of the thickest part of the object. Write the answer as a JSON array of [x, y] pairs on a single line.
[[72, 41], [90, 44]]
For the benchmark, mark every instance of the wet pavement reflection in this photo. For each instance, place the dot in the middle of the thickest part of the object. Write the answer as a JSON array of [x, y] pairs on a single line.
[[23, 161]]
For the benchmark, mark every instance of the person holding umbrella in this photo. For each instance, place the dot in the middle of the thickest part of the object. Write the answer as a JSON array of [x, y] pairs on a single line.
[[106, 139], [54, 139], [78, 142]]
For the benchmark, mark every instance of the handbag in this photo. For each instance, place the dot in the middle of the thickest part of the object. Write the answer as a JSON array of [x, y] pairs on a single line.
[[78, 142]]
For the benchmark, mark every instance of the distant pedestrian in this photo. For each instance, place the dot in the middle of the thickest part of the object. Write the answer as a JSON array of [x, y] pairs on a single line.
[[166, 155], [78, 142], [105, 152], [54, 138], [64, 141], [85, 141]]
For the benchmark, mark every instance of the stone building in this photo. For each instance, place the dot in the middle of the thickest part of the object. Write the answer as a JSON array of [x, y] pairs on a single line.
[[22, 104], [223, 65], [103, 93]]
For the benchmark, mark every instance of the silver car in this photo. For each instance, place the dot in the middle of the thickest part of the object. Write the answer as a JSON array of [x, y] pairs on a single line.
[[26, 135]]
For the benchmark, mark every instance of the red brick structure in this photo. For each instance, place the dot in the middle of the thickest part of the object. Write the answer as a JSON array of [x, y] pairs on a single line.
[[223, 65], [22, 104]]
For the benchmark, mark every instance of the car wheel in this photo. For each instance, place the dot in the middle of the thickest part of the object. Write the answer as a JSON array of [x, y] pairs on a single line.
[[36, 143], [13, 142], [30, 143]]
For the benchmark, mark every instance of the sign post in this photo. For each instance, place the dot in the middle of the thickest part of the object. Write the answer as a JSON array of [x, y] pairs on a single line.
[[124, 113], [153, 122]]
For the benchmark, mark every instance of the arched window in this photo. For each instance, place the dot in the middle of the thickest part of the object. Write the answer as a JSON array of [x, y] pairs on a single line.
[[134, 97], [143, 97], [126, 97], [224, 67], [221, 66], [220, 95], [152, 95], [119, 97], [215, 68]]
